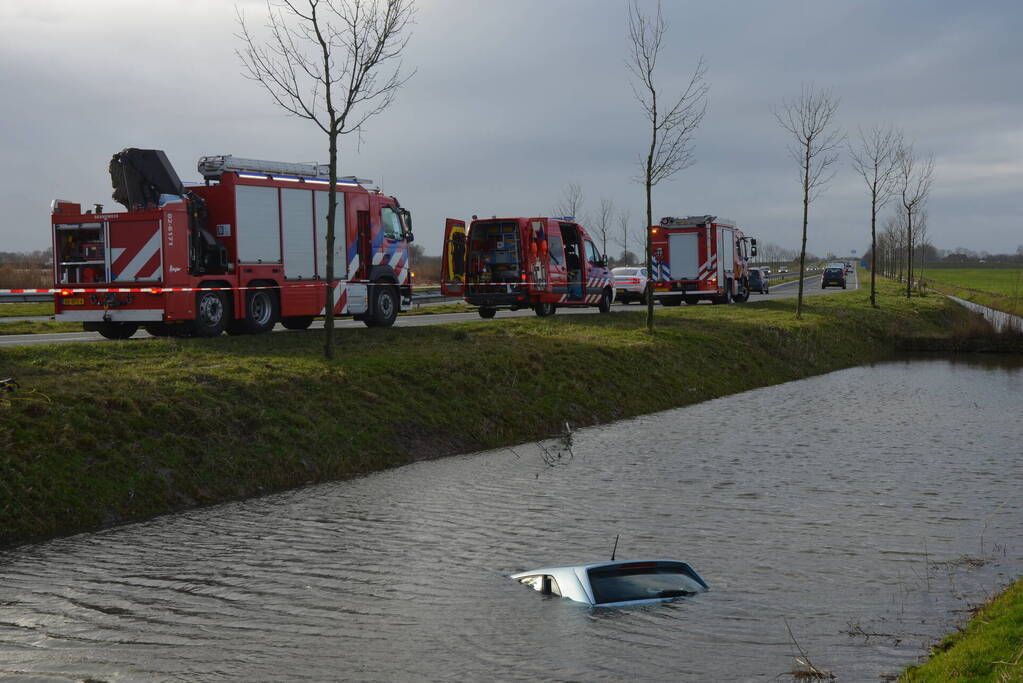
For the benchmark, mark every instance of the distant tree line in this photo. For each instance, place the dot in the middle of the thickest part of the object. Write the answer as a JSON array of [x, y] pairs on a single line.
[[892, 251], [27, 259]]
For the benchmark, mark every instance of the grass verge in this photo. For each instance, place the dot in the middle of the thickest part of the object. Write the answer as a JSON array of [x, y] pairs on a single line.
[[102, 433], [37, 327], [16, 310], [989, 648]]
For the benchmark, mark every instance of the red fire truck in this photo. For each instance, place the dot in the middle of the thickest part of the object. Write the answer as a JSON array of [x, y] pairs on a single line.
[[239, 253], [538, 263], [700, 257]]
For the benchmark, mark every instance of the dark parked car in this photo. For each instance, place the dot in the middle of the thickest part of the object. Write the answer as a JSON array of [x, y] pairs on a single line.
[[833, 276], [758, 281]]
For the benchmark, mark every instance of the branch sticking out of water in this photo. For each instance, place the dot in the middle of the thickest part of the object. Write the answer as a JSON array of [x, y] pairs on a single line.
[[809, 672], [552, 457]]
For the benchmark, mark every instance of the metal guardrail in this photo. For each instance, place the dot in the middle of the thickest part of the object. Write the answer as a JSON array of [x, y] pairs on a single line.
[[21, 298], [419, 298]]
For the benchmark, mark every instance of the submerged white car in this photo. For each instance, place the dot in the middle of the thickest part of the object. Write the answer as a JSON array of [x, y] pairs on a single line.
[[615, 584]]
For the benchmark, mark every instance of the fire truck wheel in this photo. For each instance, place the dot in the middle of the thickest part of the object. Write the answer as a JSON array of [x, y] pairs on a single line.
[[543, 310], [725, 298], [297, 322], [261, 311], [383, 308], [211, 314], [605, 302], [117, 330], [743, 294], [487, 313]]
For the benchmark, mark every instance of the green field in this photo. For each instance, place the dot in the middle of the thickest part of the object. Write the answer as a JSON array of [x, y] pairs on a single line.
[[1000, 288]]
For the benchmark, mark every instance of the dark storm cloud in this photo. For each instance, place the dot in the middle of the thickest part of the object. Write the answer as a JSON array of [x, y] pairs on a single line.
[[513, 101]]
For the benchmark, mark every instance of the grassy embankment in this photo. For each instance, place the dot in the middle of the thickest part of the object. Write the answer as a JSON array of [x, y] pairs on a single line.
[[988, 649], [999, 288], [100, 433]]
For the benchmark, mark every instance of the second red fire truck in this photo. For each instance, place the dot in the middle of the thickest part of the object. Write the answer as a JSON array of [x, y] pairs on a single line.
[[240, 253], [700, 258]]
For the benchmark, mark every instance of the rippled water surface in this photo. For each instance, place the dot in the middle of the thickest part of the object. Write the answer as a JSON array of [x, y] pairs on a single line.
[[864, 510]]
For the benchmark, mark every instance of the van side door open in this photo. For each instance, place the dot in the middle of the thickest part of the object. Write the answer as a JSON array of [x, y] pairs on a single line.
[[453, 257]]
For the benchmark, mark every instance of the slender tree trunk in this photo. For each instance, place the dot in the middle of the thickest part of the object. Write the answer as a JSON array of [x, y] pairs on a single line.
[[873, 250], [802, 249], [909, 253], [649, 222], [649, 265], [328, 296]]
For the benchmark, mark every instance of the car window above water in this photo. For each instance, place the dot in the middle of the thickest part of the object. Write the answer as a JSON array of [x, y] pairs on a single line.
[[641, 581]]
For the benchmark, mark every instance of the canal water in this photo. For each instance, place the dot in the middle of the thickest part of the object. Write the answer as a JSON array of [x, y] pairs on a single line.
[[854, 516]]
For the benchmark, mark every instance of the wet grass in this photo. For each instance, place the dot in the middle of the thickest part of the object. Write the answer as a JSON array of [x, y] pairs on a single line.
[[989, 648], [100, 433]]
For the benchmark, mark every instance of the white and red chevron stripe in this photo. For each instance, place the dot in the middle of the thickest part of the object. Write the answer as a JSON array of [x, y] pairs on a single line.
[[135, 255], [708, 269]]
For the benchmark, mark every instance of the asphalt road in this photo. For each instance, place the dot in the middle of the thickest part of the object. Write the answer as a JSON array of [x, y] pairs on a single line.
[[811, 287]]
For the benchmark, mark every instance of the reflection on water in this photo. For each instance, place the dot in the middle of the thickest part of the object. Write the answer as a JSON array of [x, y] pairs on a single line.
[[867, 508]]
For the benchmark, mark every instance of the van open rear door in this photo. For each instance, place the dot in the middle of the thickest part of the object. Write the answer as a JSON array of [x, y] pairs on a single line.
[[452, 266]]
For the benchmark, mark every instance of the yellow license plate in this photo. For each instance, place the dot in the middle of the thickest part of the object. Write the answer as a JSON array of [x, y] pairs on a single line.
[[74, 301]]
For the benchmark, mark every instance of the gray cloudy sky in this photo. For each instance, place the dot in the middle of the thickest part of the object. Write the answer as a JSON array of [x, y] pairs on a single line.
[[514, 100]]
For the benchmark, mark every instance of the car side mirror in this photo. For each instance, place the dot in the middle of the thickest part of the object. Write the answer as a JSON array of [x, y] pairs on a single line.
[[753, 250], [603, 261]]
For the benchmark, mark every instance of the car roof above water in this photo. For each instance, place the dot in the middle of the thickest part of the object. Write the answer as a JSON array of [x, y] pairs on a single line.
[[574, 580]]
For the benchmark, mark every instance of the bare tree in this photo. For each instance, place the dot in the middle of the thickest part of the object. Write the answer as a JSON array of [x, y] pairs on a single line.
[[888, 246], [810, 120], [923, 246], [915, 177], [571, 202], [323, 61], [875, 161], [602, 222], [624, 234], [671, 126]]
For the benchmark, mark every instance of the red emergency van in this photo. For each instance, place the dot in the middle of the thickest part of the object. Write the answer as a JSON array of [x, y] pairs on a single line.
[[513, 263]]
